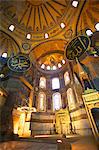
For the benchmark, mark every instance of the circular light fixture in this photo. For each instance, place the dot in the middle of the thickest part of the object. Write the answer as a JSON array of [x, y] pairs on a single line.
[[1, 93], [97, 26], [2, 75], [95, 55], [59, 141], [89, 32]]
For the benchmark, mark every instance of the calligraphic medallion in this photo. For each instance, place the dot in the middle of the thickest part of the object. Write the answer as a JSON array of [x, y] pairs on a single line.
[[19, 63], [77, 47]]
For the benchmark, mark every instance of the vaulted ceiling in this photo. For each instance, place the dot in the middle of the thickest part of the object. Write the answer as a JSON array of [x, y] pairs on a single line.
[[38, 17]]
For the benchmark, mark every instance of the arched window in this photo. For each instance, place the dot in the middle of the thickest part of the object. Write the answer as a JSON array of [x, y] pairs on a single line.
[[57, 104], [55, 83], [42, 82], [42, 101], [71, 98], [66, 78]]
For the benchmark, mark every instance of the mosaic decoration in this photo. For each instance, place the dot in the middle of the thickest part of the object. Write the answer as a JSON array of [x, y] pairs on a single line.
[[8, 44], [89, 16], [38, 17], [38, 10]]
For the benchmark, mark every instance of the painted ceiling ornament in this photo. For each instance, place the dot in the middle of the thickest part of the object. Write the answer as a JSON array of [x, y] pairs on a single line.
[[52, 60], [77, 47], [19, 63], [26, 46], [68, 34]]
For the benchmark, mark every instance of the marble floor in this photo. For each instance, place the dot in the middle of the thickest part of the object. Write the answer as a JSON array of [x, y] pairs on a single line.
[[82, 143], [36, 144], [16, 145], [85, 143]]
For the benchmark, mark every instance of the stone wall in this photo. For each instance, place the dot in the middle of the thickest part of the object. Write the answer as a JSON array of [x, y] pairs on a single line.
[[80, 122], [42, 123]]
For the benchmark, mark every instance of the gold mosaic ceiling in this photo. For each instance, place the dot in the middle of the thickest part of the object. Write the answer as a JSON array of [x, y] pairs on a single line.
[[36, 15], [8, 44], [40, 16]]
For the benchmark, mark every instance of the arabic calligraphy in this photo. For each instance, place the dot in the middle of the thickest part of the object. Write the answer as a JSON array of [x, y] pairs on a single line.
[[19, 63], [77, 47]]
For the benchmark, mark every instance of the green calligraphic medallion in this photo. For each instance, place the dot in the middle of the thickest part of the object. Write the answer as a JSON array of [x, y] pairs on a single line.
[[19, 63], [77, 47]]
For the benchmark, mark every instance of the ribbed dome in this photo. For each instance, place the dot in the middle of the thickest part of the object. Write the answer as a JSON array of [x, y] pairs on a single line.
[[36, 15]]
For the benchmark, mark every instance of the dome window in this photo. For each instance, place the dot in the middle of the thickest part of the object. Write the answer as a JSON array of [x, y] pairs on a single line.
[[54, 67], [59, 65], [48, 67], [46, 35], [63, 61], [97, 26], [28, 36], [42, 66], [4, 55], [89, 32], [62, 25], [11, 27], [75, 4]]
